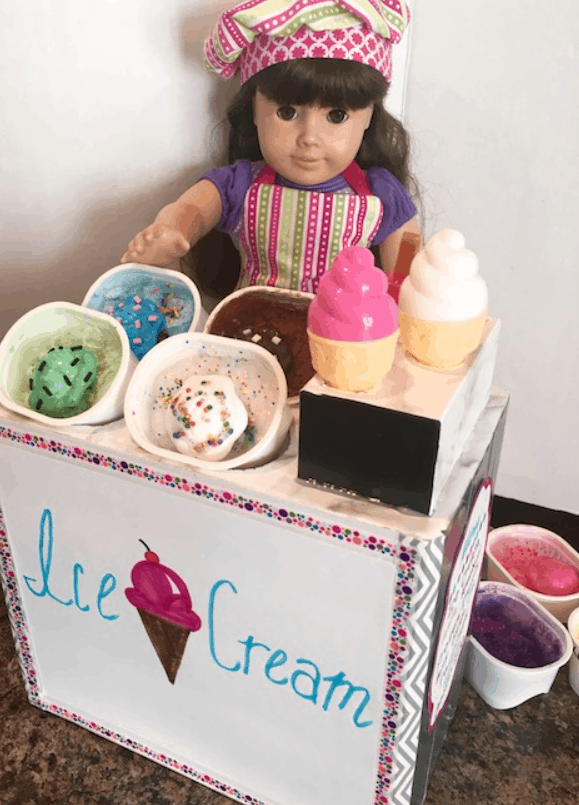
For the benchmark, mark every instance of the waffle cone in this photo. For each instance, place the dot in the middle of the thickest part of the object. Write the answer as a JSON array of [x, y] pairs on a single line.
[[352, 365], [168, 639], [440, 344]]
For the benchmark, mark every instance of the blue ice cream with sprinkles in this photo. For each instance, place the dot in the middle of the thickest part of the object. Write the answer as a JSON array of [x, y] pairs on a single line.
[[167, 294], [143, 322]]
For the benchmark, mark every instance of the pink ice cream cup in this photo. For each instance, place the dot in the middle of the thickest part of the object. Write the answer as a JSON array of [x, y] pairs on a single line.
[[537, 561], [353, 323]]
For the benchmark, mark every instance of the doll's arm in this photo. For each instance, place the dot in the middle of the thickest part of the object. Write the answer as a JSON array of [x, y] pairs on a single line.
[[177, 227], [398, 249]]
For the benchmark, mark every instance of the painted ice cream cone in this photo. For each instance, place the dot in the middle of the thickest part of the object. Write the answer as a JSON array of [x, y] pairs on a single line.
[[168, 640], [167, 616], [353, 323], [442, 303]]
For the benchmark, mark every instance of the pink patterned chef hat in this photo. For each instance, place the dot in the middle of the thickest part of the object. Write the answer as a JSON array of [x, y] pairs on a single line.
[[258, 33]]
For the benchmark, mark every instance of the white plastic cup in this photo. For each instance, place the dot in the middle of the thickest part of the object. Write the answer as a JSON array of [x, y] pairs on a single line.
[[543, 540], [134, 278], [209, 354], [500, 684], [573, 627], [27, 340], [283, 295], [277, 294]]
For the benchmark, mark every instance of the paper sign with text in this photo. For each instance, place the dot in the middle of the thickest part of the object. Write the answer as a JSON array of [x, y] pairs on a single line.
[[235, 644]]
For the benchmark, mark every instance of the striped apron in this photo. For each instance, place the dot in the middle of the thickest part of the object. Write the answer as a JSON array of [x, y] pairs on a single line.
[[289, 238]]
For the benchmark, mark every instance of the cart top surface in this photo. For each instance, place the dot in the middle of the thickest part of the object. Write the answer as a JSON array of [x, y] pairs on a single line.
[[277, 480]]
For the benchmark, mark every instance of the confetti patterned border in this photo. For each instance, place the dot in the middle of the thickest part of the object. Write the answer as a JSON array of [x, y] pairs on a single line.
[[405, 557]]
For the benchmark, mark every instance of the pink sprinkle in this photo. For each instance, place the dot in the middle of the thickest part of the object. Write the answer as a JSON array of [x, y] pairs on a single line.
[[137, 340], [137, 299], [155, 290], [137, 324], [121, 304], [136, 307], [111, 310], [119, 319], [152, 318]]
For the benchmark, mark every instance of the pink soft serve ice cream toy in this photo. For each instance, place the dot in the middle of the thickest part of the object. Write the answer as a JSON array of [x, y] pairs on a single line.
[[353, 323]]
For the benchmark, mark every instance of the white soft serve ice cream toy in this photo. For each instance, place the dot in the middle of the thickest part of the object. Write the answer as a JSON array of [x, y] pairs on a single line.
[[205, 417], [443, 303]]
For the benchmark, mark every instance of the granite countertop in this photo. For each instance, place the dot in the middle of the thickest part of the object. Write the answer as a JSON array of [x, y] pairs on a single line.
[[514, 757]]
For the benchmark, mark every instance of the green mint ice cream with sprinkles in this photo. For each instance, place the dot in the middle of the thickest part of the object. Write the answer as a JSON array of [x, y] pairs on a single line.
[[143, 322], [205, 417], [63, 381]]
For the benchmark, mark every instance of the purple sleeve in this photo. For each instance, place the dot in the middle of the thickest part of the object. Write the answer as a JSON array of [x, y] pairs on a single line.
[[398, 206], [232, 183]]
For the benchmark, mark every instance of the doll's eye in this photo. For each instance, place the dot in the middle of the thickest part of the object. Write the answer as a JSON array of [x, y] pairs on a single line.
[[337, 116], [287, 113]]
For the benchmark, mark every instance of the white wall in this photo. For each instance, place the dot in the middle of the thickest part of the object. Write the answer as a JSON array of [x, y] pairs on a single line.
[[493, 104], [108, 114]]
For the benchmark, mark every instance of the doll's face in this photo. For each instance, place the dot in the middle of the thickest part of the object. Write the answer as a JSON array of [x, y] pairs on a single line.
[[308, 144]]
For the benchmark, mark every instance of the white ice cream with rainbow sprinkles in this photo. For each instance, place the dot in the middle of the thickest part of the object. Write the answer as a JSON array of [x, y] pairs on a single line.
[[205, 417]]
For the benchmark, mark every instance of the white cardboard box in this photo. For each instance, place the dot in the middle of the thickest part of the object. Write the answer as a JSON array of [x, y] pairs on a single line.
[[330, 653], [399, 443]]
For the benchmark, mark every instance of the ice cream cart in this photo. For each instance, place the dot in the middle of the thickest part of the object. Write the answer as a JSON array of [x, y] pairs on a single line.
[[273, 640]]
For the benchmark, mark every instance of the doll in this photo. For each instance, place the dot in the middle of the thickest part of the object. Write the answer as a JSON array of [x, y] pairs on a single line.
[[318, 163]]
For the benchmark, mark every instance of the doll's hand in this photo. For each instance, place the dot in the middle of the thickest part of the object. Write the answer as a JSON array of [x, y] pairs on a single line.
[[157, 245]]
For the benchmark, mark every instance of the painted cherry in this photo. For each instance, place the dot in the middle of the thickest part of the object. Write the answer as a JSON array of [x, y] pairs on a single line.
[[150, 556]]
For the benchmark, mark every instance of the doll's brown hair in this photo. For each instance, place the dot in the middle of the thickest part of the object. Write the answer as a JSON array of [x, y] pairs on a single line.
[[304, 82]]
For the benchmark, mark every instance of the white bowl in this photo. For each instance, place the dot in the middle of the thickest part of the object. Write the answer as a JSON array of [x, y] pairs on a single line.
[[258, 379], [152, 283], [501, 684], [282, 295], [63, 322], [573, 627], [542, 540]]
